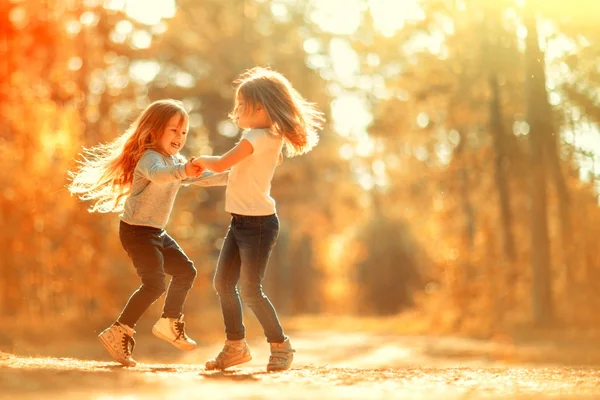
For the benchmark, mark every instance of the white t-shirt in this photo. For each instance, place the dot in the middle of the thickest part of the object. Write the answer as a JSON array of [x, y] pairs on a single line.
[[249, 185]]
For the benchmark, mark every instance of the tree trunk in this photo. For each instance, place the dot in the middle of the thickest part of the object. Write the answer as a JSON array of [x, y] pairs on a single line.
[[538, 119], [562, 194], [467, 206], [501, 163]]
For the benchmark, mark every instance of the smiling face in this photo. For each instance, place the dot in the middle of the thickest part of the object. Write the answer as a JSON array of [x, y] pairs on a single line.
[[174, 136]]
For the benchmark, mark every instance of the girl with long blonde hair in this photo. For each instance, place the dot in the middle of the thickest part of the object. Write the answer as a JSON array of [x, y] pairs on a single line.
[[273, 115], [139, 174]]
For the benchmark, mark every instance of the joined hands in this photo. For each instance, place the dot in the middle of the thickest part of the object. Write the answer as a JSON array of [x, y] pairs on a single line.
[[193, 169]]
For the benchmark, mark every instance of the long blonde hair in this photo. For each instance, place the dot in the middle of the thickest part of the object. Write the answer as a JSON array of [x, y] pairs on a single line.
[[296, 119], [105, 172]]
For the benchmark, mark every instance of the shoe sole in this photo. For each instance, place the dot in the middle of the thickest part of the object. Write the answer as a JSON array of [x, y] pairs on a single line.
[[237, 362], [114, 355], [277, 369], [167, 339]]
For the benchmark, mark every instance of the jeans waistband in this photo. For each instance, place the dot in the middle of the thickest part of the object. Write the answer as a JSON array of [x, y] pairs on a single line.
[[254, 218], [139, 228]]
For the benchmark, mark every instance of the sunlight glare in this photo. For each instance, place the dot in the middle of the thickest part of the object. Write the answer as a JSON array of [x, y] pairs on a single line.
[[148, 12], [423, 120], [280, 12], [555, 98], [378, 167], [345, 61], [114, 5], [141, 39], [390, 15], [124, 27], [346, 151], [366, 181], [89, 18], [520, 128], [73, 27], [74, 63], [18, 17], [337, 16], [443, 153], [421, 153], [228, 128], [350, 114], [365, 146], [144, 72], [344, 16], [184, 79], [454, 137], [586, 138], [312, 46]]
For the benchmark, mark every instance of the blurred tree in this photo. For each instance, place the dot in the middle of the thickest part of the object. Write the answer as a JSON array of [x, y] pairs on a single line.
[[390, 271], [454, 85], [541, 130], [55, 97], [445, 168], [442, 102]]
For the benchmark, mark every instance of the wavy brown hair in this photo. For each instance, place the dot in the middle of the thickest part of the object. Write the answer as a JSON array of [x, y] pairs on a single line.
[[105, 171], [293, 117]]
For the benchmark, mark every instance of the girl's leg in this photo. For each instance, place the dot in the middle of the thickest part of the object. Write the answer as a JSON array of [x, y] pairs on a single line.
[[256, 238], [236, 350], [225, 283], [170, 327], [181, 268], [143, 245]]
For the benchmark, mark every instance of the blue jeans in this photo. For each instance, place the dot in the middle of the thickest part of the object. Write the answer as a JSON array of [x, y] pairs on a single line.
[[154, 254], [244, 258]]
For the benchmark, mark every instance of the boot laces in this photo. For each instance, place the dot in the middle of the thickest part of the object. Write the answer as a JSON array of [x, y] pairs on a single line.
[[180, 329], [128, 343]]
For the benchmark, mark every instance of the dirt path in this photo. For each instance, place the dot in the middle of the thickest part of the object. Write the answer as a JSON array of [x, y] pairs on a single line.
[[327, 366]]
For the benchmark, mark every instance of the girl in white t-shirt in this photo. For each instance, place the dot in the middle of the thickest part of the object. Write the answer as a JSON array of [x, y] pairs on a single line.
[[273, 115]]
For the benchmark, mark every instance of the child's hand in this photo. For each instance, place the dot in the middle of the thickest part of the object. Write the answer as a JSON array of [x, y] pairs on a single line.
[[192, 169], [196, 162]]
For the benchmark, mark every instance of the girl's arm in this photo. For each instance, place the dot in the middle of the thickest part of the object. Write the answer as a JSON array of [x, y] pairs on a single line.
[[208, 179], [152, 168], [222, 163]]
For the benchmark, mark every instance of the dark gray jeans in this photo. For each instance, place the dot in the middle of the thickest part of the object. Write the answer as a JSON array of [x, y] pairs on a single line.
[[154, 254], [244, 258]]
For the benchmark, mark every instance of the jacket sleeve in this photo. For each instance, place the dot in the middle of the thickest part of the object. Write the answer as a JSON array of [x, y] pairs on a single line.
[[152, 167]]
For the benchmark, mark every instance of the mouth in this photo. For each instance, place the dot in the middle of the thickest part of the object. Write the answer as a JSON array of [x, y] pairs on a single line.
[[175, 145]]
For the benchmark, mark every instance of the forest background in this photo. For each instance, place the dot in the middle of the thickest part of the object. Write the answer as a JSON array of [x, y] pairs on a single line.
[[454, 188]]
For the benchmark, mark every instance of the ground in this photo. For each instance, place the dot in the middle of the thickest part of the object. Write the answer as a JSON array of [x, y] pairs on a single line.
[[328, 365]]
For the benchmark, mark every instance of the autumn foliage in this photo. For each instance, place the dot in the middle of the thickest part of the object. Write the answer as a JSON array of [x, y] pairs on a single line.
[[470, 196]]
